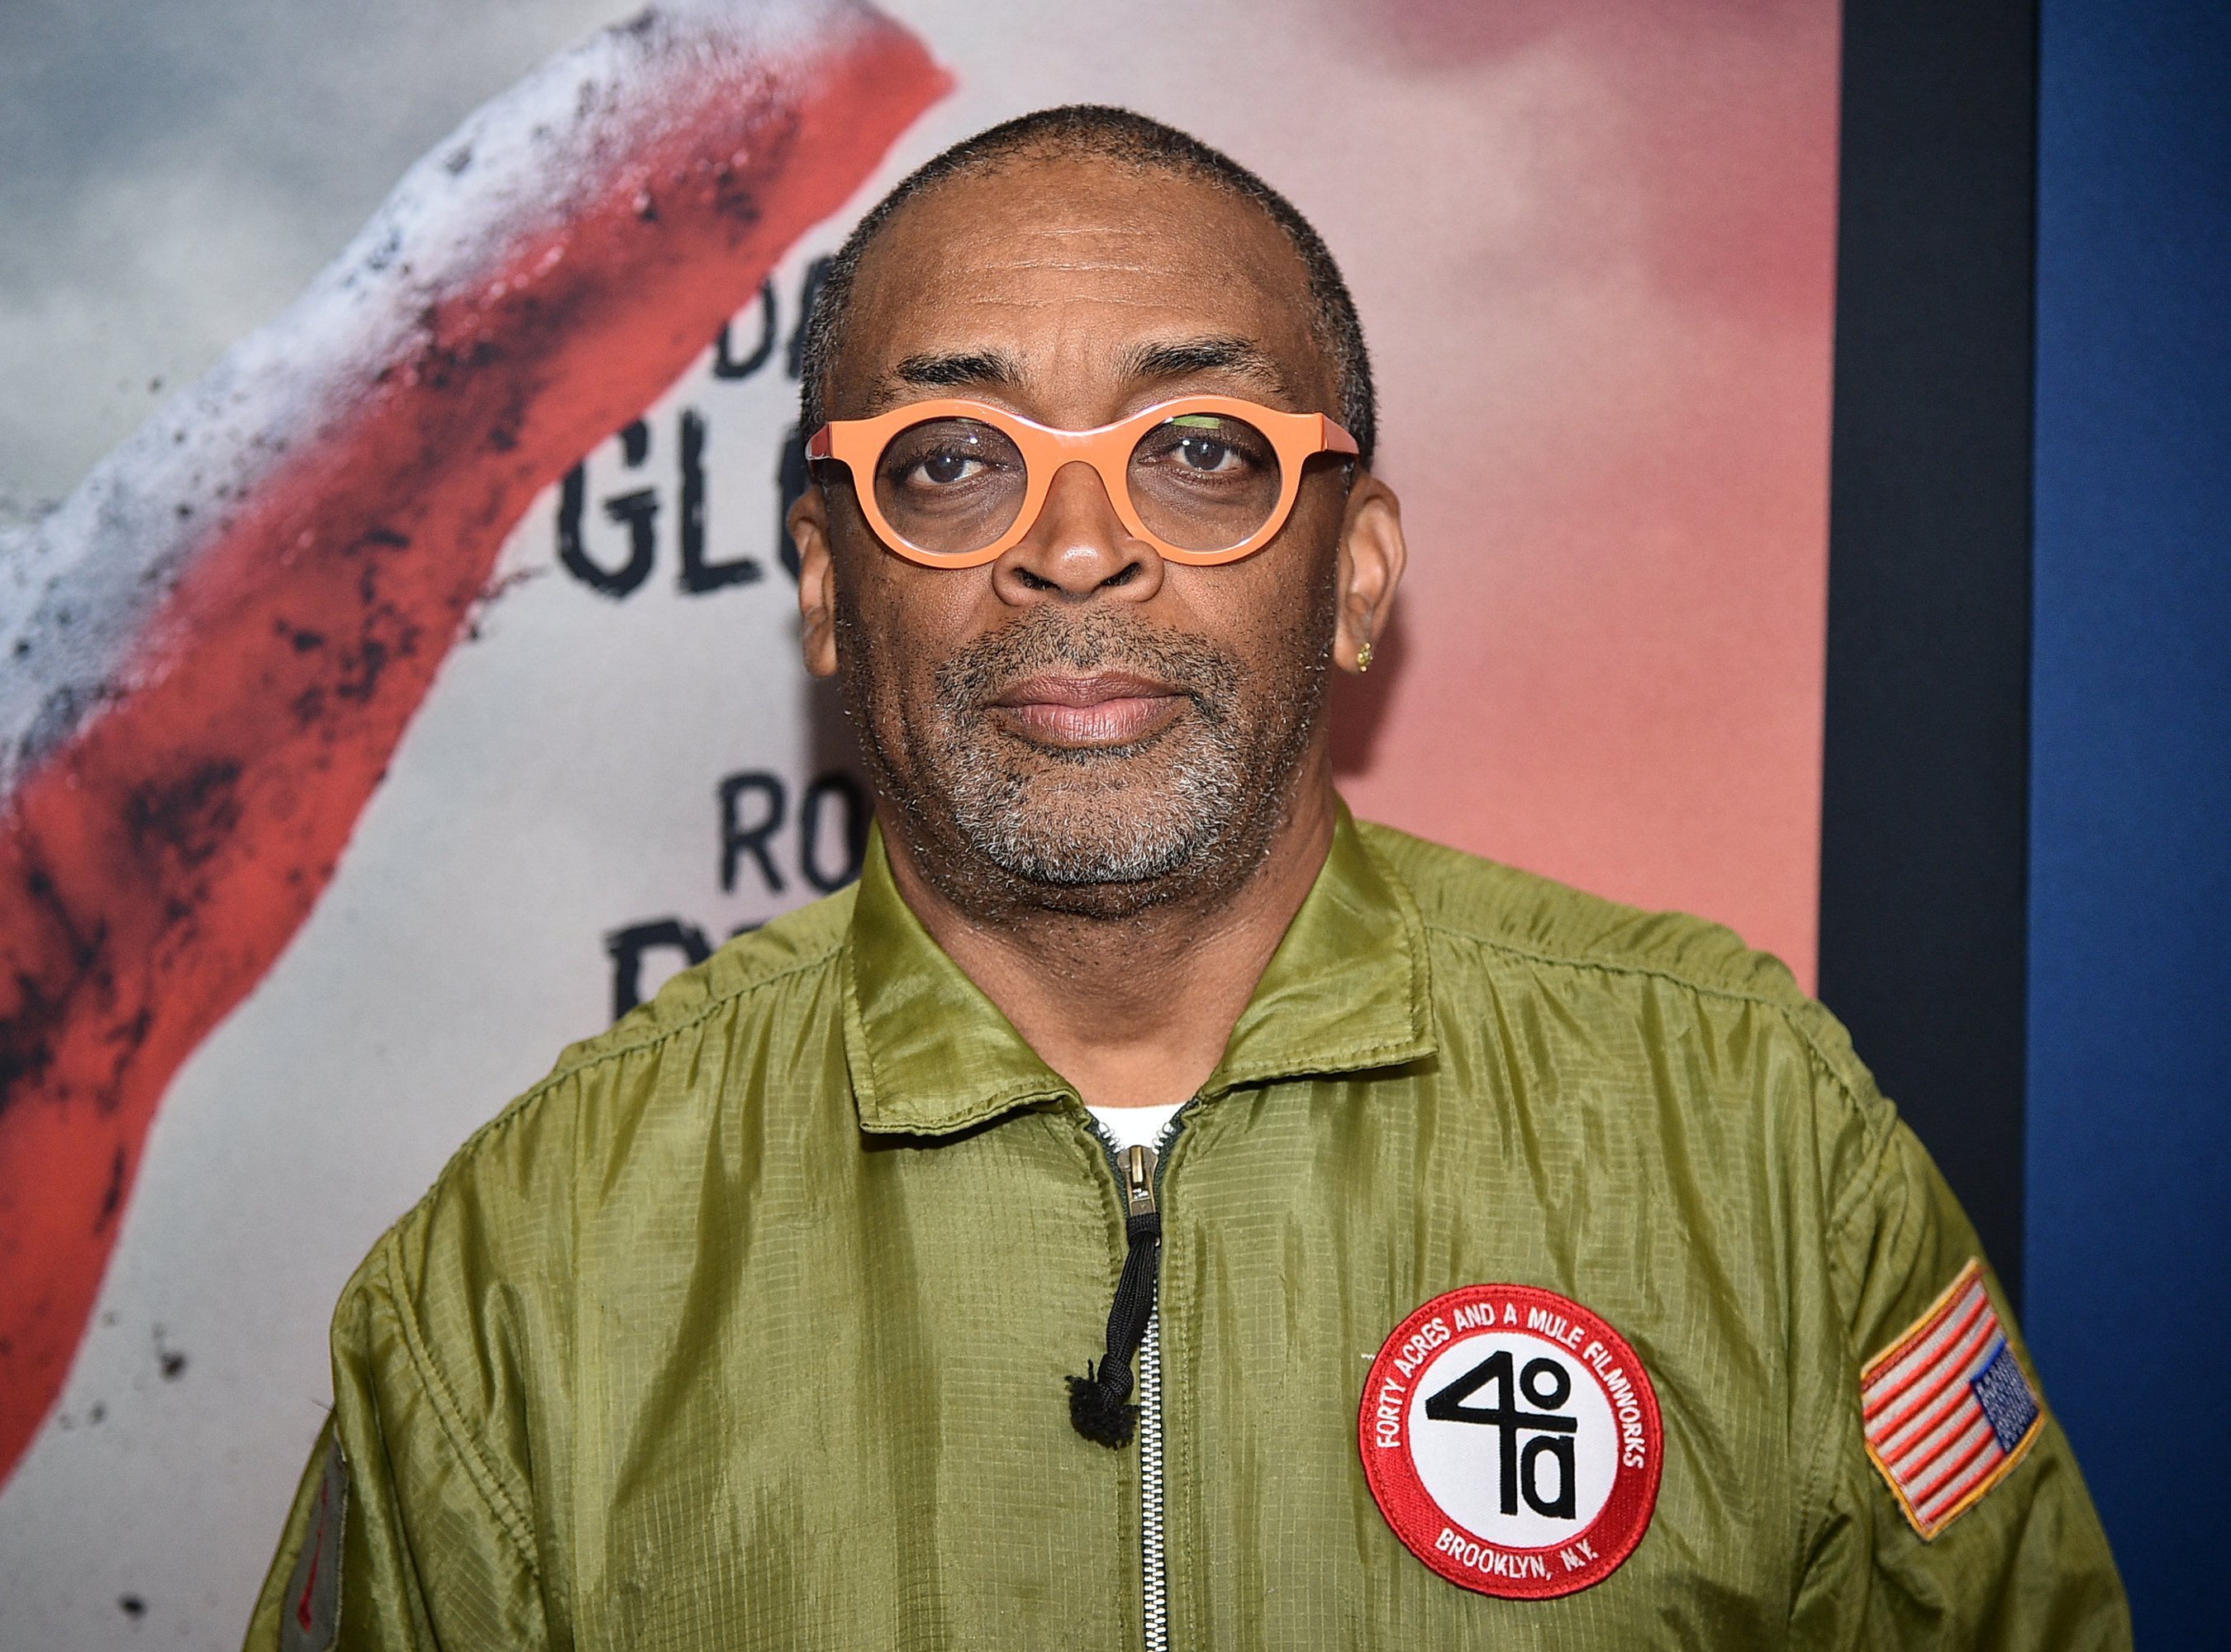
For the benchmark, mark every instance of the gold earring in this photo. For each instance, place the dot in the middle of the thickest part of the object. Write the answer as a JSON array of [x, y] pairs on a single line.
[[1363, 659]]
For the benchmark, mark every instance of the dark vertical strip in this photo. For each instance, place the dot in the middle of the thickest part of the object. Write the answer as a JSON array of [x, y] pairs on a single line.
[[1924, 797], [2129, 1154]]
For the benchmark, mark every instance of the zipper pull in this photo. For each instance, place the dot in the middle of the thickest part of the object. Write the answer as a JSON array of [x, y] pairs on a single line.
[[1138, 1164], [1099, 1401]]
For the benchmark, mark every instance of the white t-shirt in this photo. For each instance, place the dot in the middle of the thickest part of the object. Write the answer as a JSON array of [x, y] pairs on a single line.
[[1135, 1126]]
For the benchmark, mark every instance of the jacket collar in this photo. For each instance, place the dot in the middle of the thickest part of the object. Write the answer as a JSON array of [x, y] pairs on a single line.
[[1347, 990]]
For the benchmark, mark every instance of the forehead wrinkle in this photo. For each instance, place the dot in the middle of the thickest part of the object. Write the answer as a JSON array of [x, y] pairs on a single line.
[[1229, 355], [1121, 249], [1025, 267], [1039, 283]]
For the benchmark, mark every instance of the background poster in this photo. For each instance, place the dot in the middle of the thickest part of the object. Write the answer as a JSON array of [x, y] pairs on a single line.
[[1593, 244]]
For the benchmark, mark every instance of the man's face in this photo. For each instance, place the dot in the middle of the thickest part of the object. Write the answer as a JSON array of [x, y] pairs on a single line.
[[1080, 724]]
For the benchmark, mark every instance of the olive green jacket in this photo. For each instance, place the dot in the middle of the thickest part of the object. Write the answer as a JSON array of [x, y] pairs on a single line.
[[748, 1327]]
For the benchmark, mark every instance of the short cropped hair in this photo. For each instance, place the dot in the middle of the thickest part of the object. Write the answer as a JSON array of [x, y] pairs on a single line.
[[1099, 132]]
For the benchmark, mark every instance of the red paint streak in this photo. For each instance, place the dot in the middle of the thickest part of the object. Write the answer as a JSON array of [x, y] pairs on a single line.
[[152, 869], [317, 1558]]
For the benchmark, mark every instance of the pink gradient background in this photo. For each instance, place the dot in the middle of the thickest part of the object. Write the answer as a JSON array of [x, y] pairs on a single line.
[[1607, 663]]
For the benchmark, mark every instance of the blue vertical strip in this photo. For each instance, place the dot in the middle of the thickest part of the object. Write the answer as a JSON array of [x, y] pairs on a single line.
[[2129, 1157]]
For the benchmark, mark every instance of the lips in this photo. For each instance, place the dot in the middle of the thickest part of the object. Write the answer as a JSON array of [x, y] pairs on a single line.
[[1103, 709]]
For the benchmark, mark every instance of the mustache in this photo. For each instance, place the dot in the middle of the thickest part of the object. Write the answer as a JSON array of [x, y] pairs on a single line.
[[1046, 640]]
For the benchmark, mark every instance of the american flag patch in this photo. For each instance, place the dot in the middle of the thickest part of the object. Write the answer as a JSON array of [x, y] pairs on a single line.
[[1946, 1408]]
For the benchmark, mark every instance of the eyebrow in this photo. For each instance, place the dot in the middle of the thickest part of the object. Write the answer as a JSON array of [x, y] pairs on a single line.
[[946, 369], [1168, 359], [1176, 358]]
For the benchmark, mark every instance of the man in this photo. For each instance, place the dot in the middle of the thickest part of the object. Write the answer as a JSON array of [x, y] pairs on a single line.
[[1512, 1269]]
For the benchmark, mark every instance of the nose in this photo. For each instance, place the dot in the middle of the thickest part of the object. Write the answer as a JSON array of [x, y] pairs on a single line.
[[1078, 550]]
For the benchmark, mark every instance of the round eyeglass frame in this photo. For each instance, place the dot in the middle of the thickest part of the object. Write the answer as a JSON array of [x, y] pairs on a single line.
[[858, 445]]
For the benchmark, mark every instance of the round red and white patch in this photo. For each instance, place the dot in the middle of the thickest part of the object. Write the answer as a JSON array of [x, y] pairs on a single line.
[[1512, 1440]]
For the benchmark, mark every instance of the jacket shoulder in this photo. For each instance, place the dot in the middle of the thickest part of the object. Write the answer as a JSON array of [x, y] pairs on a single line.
[[584, 1110], [1535, 919], [799, 941], [1535, 926], [1529, 915]]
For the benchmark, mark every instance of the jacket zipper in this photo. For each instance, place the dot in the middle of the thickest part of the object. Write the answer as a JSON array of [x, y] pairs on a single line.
[[1142, 1189], [1139, 1175]]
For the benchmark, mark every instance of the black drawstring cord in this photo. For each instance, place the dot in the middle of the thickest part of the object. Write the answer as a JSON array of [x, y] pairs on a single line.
[[1099, 1401]]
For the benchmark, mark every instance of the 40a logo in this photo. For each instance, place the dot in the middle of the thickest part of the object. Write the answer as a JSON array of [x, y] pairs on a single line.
[[1511, 1439]]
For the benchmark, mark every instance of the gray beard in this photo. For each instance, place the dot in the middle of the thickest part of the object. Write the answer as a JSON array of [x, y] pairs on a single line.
[[1109, 831], [1089, 821]]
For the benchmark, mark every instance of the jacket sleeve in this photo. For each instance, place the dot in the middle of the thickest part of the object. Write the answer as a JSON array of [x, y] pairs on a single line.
[[405, 1533], [2022, 1567]]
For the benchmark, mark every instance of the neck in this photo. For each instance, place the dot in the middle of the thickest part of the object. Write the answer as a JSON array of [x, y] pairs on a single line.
[[1134, 1011]]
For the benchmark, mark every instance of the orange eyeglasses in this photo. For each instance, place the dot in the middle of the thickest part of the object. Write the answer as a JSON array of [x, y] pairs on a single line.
[[1203, 479]]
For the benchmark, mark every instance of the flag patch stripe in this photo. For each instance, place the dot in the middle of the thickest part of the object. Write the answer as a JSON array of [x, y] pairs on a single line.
[[1971, 1305], [1946, 1408], [1947, 1399], [1957, 1488], [1923, 1395]]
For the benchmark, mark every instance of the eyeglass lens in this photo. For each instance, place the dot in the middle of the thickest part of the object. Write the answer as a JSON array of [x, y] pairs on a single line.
[[1204, 481], [950, 486], [1200, 481]]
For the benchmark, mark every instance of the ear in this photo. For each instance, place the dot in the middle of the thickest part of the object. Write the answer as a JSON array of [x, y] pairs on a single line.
[[1372, 556], [817, 580]]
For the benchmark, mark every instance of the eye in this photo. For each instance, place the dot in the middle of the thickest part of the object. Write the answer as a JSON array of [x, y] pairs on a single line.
[[1205, 453], [944, 467], [1203, 448]]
